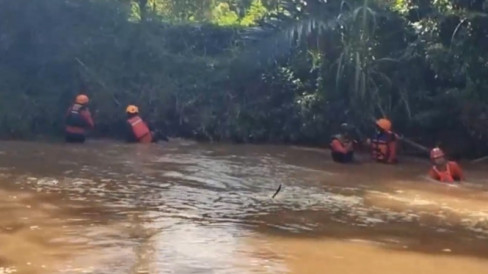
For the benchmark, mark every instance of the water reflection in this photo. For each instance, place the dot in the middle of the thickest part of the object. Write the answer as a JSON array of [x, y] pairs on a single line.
[[185, 247]]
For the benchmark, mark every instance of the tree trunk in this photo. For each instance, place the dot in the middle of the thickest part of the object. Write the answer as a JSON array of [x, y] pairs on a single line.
[[142, 9]]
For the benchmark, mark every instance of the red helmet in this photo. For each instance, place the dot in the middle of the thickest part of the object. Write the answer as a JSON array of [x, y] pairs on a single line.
[[436, 153]]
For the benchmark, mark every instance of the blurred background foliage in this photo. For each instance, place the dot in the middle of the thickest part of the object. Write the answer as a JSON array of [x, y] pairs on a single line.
[[250, 70]]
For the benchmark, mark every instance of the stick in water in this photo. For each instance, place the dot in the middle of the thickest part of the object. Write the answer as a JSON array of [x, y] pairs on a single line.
[[277, 191], [413, 144], [480, 160]]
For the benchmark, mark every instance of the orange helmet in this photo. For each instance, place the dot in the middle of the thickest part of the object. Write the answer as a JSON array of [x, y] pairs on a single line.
[[384, 124], [82, 99], [436, 153], [131, 109]]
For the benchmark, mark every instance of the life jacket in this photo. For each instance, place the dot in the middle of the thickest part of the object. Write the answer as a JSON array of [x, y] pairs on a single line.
[[74, 117], [382, 148], [344, 141], [446, 175], [140, 129]]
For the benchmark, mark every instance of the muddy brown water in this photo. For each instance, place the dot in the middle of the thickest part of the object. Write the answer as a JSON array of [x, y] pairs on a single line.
[[184, 207]]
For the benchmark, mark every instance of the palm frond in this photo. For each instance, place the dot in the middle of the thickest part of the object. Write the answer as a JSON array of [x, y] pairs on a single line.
[[340, 68]]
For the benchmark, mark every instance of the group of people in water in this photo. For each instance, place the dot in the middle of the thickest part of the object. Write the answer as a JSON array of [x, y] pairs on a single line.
[[79, 121], [383, 146]]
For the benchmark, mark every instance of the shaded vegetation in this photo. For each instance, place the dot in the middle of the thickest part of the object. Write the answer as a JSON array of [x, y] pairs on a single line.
[[250, 70]]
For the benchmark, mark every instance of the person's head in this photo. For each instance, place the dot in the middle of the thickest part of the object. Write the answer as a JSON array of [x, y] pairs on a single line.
[[437, 156], [82, 99], [132, 110], [345, 129], [383, 125]]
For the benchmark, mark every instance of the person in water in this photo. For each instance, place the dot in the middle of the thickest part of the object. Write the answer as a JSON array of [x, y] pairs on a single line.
[[78, 120], [442, 169], [342, 146], [137, 130], [384, 144]]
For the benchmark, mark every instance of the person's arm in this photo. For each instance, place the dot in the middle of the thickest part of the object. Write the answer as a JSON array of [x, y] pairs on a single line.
[[129, 133], [433, 174], [150, 126], [337, 146], [457, 172], [88, 118], [392, 147], [66, 116]]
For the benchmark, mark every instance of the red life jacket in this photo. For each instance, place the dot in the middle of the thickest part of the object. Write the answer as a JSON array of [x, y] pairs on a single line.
[[444, 176], [343, 141], [140, 129]]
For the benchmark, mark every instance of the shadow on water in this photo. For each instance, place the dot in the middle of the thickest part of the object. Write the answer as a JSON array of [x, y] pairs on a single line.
[[185, 207]]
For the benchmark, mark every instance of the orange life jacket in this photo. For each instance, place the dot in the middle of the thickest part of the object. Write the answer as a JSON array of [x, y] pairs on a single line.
[[343, 141], [140, 129], [446, 175]]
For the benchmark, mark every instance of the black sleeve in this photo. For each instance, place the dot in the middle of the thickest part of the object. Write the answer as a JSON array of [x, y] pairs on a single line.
[[129, 134], [392, 137], [355, 136], [149, 125]]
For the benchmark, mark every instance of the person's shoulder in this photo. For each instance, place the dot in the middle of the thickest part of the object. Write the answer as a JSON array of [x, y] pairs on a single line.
[[392, 136], [336, 137], [454, 164], [432, 173]]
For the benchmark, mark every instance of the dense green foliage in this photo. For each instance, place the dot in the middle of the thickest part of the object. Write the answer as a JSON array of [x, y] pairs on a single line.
[[249, 70]]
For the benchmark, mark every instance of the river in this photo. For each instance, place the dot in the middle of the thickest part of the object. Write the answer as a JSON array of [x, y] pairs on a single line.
[[185, 207]]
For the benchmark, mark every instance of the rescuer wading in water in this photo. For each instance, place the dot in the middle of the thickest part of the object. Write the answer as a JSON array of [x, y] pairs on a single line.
[[78, 120], [138, 131], [384, 143], [442, 169], [342, 145]]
